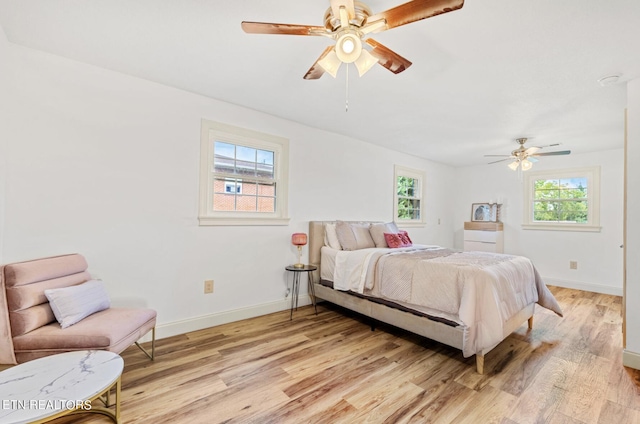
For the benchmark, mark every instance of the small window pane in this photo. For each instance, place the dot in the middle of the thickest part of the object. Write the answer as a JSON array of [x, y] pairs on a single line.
[[246, 203], [265, 171], [224, 202], [220, 185], [245, 154], [408, 209], [224, 154], [267, 189], [265, 157], [574, 212], [266, 204], [407, 187]]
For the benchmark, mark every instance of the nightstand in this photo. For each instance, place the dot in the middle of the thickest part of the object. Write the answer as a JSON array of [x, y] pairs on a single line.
[[308, 269], [484, 237]]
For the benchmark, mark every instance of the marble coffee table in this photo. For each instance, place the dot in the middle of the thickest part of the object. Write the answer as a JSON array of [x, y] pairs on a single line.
[[53, 386]]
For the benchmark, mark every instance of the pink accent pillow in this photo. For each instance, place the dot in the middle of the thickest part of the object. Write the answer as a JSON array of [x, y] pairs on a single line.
[[405, 237], [397, 240]]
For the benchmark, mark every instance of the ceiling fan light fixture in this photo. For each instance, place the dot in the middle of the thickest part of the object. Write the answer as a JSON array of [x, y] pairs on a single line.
[[330, 63], [348, 47], [514, 165], [365, 62], [526, 165]]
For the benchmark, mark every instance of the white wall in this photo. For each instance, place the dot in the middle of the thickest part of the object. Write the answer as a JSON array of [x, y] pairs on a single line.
[[5, 101], [599, 255], [107, 165], [631, 356]]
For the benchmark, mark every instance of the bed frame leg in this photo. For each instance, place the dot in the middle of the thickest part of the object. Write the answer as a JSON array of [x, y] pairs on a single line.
[[530, 321], [480, 363]]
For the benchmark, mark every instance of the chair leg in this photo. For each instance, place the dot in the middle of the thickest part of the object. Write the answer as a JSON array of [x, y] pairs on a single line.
[[151, 355]]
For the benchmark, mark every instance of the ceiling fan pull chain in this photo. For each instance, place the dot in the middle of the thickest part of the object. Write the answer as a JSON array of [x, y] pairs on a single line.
[[346, 94]]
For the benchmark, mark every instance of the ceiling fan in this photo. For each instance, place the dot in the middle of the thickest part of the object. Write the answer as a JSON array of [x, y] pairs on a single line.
[[349, 22], [524, 157]]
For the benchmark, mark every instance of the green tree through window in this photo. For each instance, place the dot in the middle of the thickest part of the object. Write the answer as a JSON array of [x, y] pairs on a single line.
[[408, 203], [408, 186], [561, 200]]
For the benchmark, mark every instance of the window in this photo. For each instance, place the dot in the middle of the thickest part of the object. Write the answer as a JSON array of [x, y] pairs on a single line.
[[243, 176], [232, 187], [408, 196], [563, 200]]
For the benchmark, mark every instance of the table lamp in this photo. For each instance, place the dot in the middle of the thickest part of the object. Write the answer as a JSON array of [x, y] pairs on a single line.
[[299, 239]]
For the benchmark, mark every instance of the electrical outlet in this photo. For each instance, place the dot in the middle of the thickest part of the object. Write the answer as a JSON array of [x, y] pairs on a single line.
[[208, 286], [573, 264]]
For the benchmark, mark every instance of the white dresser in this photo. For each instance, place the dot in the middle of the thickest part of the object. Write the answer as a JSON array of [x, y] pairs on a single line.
[[484, 237]]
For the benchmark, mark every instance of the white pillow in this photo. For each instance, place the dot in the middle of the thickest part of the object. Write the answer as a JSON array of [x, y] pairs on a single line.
[[354, 236], [331, 237], [377, 232], [72, 304]]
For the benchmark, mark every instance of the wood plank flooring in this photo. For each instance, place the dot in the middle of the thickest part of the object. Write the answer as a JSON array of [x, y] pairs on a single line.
[[332, 368]]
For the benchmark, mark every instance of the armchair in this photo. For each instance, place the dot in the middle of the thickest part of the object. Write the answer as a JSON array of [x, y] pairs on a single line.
[[28, 327]]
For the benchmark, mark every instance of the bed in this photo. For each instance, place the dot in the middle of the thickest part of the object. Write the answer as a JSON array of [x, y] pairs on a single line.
[[474, 302]]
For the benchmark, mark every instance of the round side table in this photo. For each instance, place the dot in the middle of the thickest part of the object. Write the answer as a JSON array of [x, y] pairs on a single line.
[[308, 269], [67, 383]]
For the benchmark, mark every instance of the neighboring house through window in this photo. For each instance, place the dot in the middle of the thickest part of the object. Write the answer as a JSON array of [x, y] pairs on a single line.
[[408, 206], [243, 176], [567, 199]]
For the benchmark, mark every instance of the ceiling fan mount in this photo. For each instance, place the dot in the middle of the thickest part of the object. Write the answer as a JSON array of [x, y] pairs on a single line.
[[348, 23], [333, 22], [523, 157]]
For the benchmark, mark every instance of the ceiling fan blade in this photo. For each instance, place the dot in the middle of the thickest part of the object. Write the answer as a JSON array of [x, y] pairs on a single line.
[[388, 58], [349, 7], [532, 150], [286, 29], [501, 160], [317, 70], [561, 152], [416, 10], [548, 145]]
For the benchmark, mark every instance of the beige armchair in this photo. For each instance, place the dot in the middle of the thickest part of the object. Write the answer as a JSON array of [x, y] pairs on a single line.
[[28, 326]]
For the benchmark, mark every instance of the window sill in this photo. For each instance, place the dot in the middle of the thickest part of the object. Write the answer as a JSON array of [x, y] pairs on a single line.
[[211, 221], [563, 227]]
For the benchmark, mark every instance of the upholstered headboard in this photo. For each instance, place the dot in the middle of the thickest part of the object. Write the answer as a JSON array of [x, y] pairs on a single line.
[[316, 240]]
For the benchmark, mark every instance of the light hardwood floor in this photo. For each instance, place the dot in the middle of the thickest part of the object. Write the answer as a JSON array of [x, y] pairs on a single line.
[[332, 368]]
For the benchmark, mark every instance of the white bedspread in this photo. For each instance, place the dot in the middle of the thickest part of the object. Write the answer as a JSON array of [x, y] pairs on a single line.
[[482, 290]]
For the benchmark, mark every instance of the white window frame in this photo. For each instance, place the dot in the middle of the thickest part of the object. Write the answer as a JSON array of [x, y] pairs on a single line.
[[592, 174], [215, 131], [401, 171]]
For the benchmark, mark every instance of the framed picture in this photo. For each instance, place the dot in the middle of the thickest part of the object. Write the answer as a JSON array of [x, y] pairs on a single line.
[[484, 212]]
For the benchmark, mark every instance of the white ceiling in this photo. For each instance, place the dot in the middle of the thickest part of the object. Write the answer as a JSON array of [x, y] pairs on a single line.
[[482, 76]]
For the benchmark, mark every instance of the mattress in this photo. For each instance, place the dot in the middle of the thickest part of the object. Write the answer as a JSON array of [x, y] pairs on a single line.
[[328, 258]]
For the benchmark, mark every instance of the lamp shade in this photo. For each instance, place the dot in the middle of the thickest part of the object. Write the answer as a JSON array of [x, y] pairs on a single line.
[[299, 239], [526, 165]]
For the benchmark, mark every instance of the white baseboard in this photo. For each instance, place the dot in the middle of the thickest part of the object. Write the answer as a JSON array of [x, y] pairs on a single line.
[[579, 285], [631, 359], [206, 321]]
